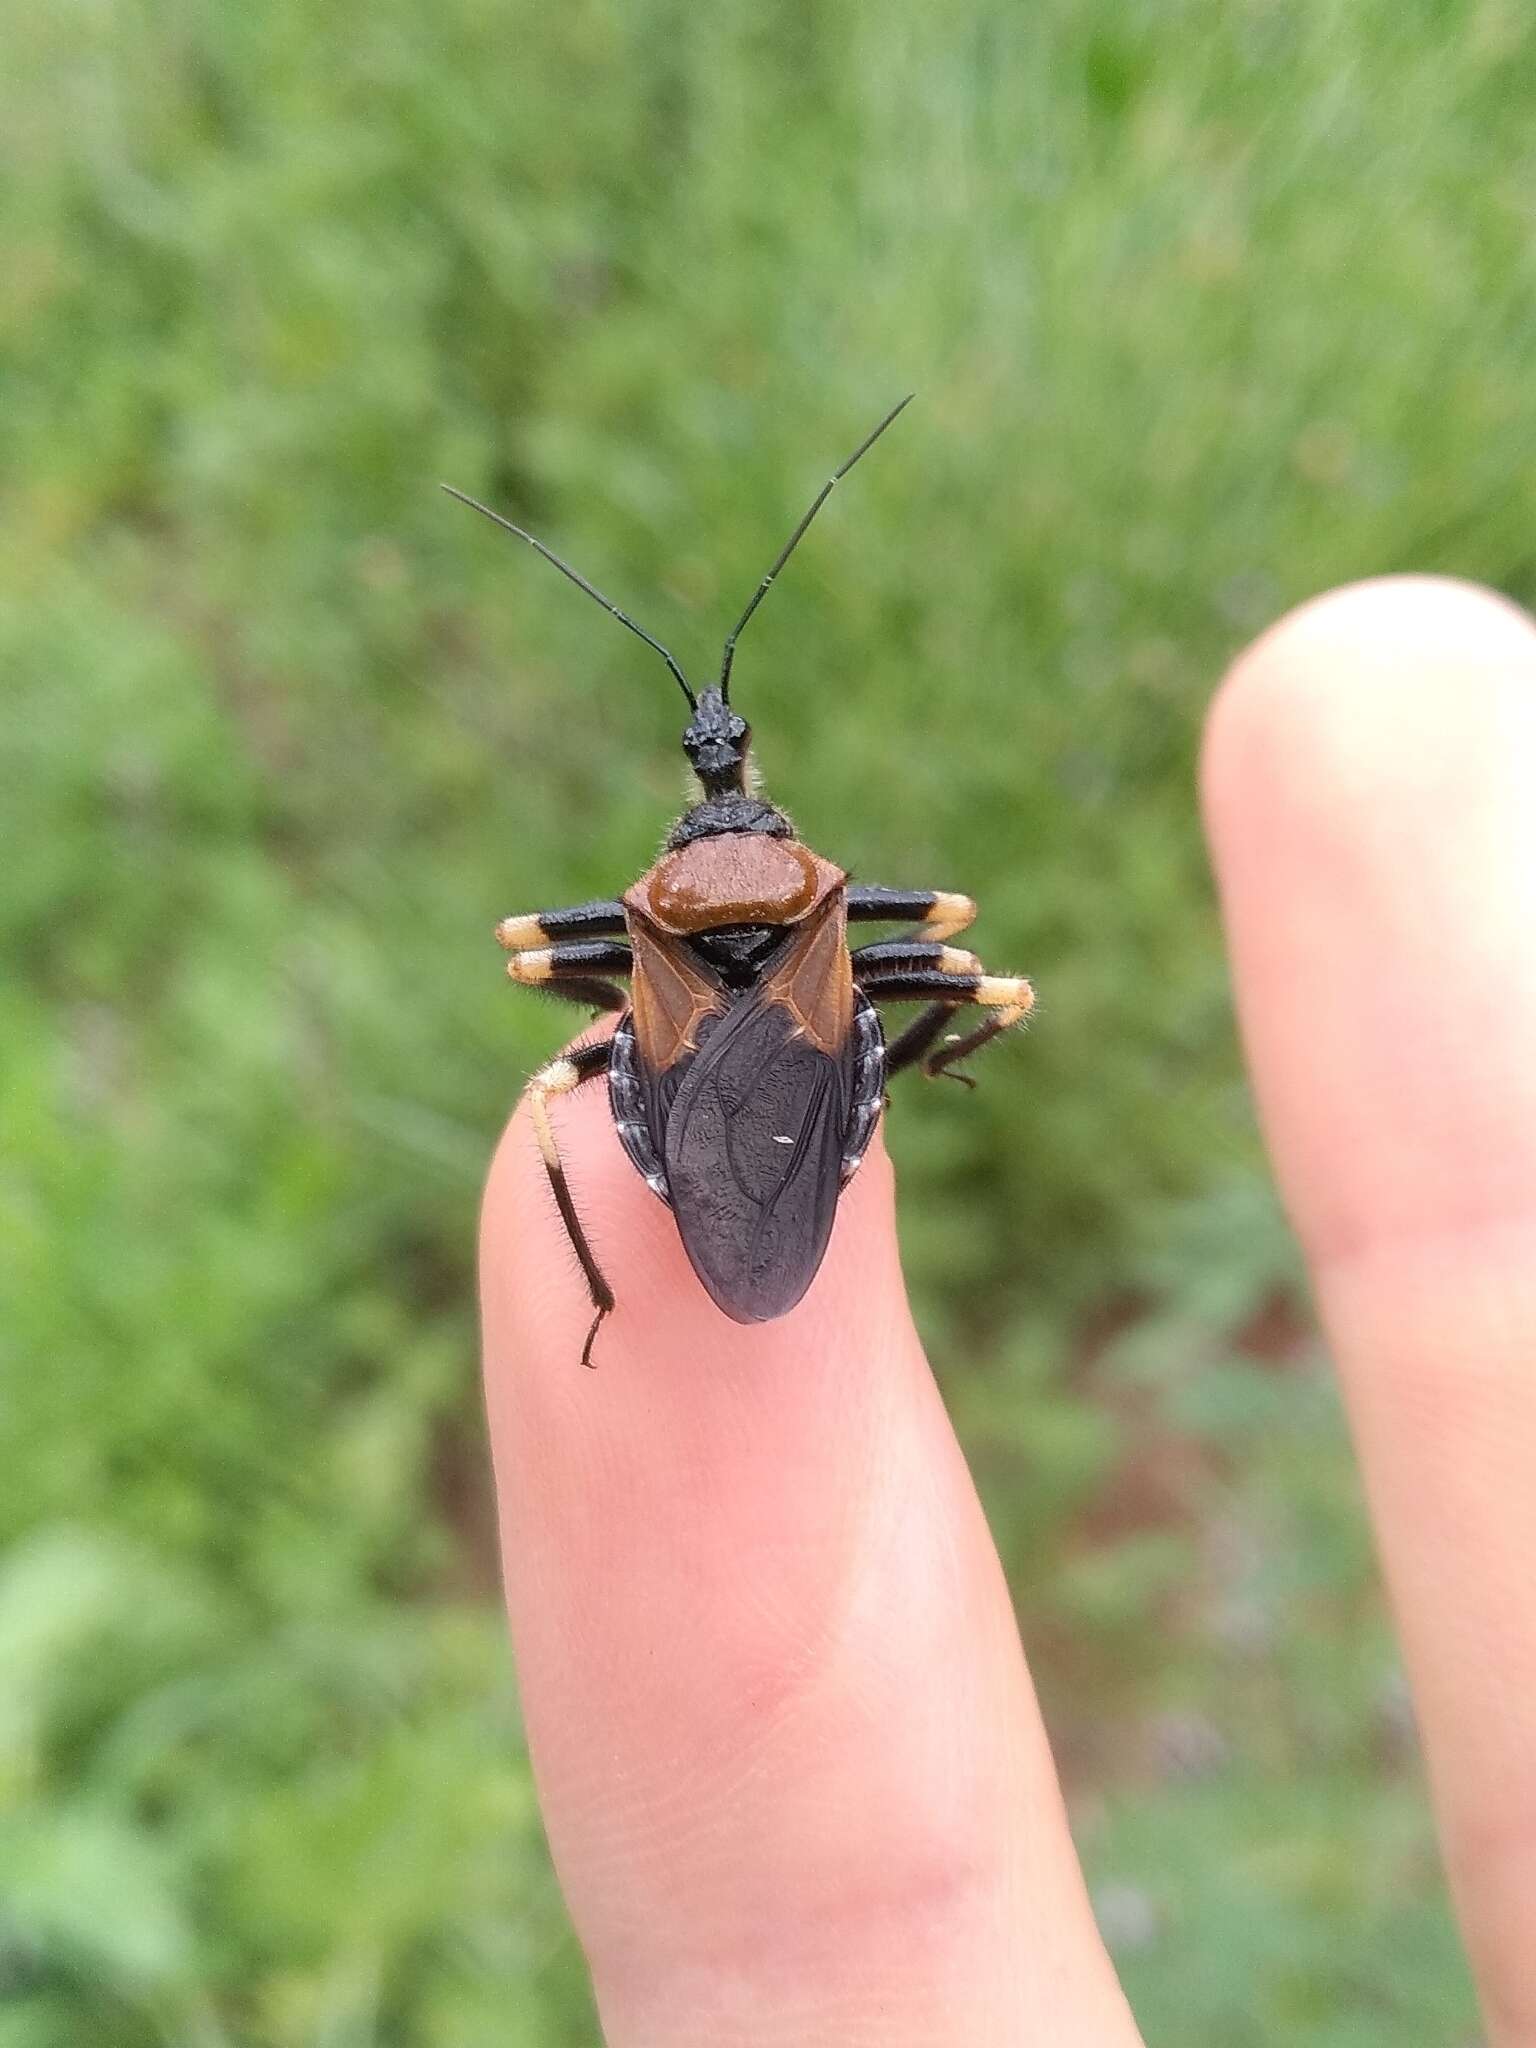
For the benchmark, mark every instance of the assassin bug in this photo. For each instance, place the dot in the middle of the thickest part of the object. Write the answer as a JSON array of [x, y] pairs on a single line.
[[748, 1068]]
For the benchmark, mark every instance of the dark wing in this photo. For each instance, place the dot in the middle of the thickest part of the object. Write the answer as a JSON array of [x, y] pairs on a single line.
[[755, 1132], [674, 1000]]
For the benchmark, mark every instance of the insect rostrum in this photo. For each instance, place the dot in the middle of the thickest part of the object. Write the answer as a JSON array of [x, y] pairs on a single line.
[[748, 1069]]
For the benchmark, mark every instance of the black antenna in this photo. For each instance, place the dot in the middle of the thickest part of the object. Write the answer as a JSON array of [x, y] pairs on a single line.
[[582, 584], [790, 545]]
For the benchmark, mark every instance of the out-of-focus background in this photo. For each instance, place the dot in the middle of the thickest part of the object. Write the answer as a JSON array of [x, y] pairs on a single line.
[[1209, 305]]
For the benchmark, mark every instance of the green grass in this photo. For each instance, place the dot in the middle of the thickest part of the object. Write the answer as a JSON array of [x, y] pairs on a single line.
[[1208, 305]]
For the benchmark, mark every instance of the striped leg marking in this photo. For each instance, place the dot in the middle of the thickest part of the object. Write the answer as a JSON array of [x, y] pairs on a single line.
[[901, 956], [603, 919], [573, 958], [576, 969], [946, 915], [1010, 997], [937, 913]]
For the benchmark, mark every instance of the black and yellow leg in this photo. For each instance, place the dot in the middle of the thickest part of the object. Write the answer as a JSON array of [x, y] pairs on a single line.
[[575, 969], [1009, 997], [601, 920], [937, 913], [905, 956], [559, 1078]]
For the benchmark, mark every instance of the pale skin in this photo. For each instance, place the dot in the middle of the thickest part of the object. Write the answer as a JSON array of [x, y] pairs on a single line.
[[790, 1760]]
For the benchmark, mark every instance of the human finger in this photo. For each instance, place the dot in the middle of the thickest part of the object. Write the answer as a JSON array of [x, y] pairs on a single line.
[[792, 1769], [1370, 779]]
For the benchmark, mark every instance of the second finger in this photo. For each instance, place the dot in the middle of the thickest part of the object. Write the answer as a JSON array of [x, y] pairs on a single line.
[[1369, 777]]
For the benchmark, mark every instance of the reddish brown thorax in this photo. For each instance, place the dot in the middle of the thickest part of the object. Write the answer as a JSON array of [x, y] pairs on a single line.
[[735, 878]]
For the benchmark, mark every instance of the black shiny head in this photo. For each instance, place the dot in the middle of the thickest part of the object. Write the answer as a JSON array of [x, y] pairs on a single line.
[[716, 742]]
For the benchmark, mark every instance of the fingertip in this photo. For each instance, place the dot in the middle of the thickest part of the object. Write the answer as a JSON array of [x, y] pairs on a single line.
[[1412, 613], [787, 1753], [1344, 689], [1367, 778]]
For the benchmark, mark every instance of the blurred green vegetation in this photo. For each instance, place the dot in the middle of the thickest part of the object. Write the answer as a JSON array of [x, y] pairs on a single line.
[[1209, 305]]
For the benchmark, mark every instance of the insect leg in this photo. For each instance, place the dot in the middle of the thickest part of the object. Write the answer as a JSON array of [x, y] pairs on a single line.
[[1009, 1011], [603, 919], [597, 996], [908, 1046], [900, 956], [559, 1078], [574, 969], [1009, 997], [937, 913]]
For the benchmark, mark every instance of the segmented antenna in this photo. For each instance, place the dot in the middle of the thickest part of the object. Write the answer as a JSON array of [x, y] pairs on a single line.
[[790, 545], [581, 582]]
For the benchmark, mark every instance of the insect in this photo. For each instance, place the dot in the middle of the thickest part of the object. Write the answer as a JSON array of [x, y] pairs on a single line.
[[747, 1071]]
